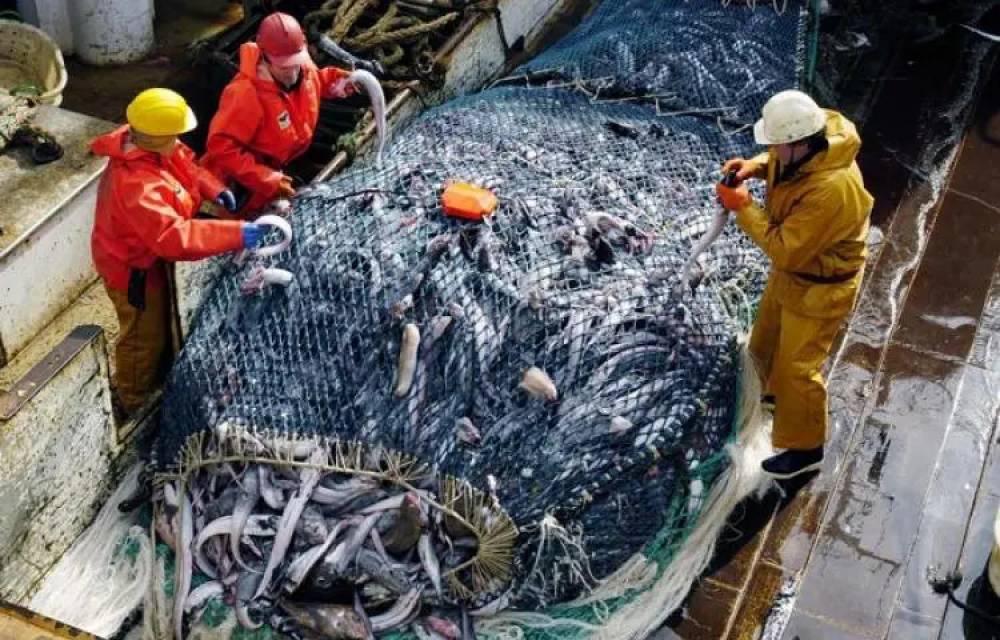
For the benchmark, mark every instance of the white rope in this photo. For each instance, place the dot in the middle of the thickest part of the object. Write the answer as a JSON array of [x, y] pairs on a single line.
[[96, 585], [157, 608], [647, 612]]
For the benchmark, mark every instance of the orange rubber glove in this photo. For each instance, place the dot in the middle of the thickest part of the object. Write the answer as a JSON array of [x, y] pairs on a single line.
[[733, 198]]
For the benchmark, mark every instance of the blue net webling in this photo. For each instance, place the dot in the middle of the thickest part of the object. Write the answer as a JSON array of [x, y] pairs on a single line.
[[575, 278]]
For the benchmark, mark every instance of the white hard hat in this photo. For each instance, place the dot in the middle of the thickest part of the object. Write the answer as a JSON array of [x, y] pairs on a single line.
[[789, 116]]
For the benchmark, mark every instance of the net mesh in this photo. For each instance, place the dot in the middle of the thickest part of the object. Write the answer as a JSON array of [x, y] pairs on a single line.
[[575, 280]]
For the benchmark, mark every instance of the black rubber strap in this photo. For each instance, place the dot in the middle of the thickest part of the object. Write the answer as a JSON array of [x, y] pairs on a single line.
[[836, 279]]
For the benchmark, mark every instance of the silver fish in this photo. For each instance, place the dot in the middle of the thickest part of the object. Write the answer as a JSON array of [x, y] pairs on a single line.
[[304, 563], [289, 518], [184, 571], [429, 561], [245, 504], [198, 597], [272, 496], [405, 608]]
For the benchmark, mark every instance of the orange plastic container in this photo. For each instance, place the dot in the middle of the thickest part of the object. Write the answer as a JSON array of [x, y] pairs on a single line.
[[467, 201]]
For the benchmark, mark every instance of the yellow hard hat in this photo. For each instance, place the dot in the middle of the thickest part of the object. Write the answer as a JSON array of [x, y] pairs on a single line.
[[160, 112]]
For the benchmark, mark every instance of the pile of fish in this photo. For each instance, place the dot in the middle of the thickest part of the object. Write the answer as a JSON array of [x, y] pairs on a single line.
[[723, 61], [316, 553], [550, 357]]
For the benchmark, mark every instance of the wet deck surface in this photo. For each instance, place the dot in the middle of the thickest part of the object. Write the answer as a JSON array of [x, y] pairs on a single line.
[[911, 484]]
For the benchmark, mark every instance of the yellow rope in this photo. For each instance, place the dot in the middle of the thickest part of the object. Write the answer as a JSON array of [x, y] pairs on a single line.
[[402, 35], [351, 15]]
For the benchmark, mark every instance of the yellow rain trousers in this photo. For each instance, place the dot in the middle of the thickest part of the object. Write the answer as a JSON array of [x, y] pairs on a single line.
[[145, 347], [814, 231]]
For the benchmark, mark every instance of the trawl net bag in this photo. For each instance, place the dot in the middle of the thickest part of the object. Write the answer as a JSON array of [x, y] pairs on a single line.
[[440, 422]]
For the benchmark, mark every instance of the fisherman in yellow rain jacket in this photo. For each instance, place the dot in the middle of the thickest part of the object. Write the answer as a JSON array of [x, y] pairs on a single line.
[[813, 228]]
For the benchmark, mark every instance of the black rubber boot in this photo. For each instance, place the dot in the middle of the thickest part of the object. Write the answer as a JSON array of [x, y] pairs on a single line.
[[793, 462]]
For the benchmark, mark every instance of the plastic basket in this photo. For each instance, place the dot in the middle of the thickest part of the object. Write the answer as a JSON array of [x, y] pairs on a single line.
[[30, 63]]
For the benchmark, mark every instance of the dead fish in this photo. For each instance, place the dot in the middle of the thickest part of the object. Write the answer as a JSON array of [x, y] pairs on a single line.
[[493, 607], [393, 502], [289, 518], [620, 425], [439, 325], [271, 495], [400, 307], [376, 539], [429, 561], [303, 564], [377, 592], [249, 495], [256, 525], [405, 530], [391, 576], [467, 432], [223, 505], [330, 621], [438, 244], [407, 359], [405, 608], [170, 496], [343, 492], [622, 129], [443, 627], [198, 597], [184, 570], [246, 585], [311, 529], [539, 385], [348, 549]]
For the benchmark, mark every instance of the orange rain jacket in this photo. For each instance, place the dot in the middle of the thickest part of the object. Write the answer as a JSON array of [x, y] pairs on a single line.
[[259, 127], [145, 206]]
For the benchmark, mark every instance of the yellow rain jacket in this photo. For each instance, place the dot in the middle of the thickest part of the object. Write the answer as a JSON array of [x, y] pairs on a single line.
[[814, 230]]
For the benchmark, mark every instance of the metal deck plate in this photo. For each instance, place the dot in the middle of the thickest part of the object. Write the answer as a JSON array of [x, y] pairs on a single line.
[[32, 382]]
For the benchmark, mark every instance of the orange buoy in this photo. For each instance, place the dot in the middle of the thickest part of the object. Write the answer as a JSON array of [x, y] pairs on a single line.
[[467, 201]]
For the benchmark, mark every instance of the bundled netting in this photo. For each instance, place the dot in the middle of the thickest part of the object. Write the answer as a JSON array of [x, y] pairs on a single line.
[[445, 418]]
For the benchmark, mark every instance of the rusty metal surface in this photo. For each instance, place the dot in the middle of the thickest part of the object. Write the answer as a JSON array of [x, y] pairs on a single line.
[[35, 379]]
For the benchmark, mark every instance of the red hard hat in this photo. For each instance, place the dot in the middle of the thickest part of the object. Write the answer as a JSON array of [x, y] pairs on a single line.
[[281, 39]]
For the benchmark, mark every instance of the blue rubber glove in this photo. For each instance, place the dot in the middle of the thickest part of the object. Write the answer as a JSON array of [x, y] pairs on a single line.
[[252, 235], [226, 199]]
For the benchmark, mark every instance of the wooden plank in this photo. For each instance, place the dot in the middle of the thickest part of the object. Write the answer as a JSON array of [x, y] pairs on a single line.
[[17, 623]]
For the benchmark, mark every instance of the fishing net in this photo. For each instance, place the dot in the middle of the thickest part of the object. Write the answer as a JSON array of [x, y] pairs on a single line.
[[539, 381]]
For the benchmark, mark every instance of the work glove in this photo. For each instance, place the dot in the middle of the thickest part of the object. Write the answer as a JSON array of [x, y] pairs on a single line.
[[343, 88], [252, 235], [227, 200], [743, 167], [733, 198], [285, 188]]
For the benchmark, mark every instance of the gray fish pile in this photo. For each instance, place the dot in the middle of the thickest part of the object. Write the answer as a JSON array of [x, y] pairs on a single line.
[[548, 358], [316, 553], [727, 60]]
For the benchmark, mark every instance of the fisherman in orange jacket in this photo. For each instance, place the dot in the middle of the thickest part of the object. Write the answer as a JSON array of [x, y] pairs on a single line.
[[146, 202], [267, 114]]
